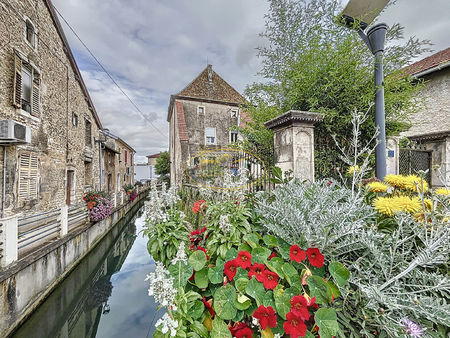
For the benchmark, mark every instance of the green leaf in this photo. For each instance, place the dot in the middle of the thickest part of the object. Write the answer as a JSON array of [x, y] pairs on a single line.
[[201, 278], [320, 289], [244, 247], [309, 335], [291, 274], [197, 260], [224, 302], [242, 302], [260, 255], [255, 290], [275, 265], [241, 273], [252, 240], [199, 328], [231, 254], [181, 273], [282, 301], [271, 241], [197, 309], [339, 272], [334, 289], [220, 329], [215, 274], [284, 248], [268, 299], [326, 320], [241, 284]]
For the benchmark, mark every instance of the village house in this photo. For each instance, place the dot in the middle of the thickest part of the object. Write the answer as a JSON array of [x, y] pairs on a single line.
[[48, 123], [125, 172], [200, 116], [146, 171], [430, 126]]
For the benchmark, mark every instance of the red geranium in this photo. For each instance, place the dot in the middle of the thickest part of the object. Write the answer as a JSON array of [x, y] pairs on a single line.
[[209, 307], [315, 257], [272, 255], [299, 307], [230, 269], [296, 254], [266, 316], [244, 259], [294, 326], [270, 279], [257, 271], [198, 205]]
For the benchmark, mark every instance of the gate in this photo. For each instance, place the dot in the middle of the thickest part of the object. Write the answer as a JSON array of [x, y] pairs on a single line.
[[264, 173], [413, 160]]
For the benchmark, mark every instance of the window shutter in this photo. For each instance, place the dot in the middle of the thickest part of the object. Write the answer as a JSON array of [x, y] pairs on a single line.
[[17, 94], [28, 176], [35, 99], [34, 171]]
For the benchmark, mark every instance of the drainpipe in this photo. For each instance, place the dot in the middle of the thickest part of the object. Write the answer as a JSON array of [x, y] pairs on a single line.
[[4, 182]]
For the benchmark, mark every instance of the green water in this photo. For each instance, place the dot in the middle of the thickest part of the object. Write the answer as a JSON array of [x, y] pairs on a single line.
[[105, 295]]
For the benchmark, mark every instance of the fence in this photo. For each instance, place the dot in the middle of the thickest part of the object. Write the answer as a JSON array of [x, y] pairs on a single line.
[[20, 236], [413, 160]]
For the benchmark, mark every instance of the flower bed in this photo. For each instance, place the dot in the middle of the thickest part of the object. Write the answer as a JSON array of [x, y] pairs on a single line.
[[98, 204]]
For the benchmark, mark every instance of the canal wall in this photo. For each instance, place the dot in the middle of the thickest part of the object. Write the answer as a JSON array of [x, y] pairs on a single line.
[[26, 283]]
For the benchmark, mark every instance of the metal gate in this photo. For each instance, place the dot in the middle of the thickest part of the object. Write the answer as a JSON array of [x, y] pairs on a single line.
[[413, 160]]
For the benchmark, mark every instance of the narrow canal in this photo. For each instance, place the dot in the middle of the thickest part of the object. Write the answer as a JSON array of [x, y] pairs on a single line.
[[105, 295]]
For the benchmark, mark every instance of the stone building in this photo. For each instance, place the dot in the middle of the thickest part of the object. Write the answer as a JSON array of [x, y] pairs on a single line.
[[48, 121], [430, 126], [125, 172], [202, 116]]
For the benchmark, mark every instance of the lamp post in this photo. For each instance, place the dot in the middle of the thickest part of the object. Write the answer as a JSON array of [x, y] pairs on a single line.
[[363, 12]]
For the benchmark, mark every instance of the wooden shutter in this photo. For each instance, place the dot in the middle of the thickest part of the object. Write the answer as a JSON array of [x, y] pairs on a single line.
[[17, 94], [35, 95], [28, 176]]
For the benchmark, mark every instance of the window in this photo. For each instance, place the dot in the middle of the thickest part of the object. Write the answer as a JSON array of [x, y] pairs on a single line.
[[234, 113], [210, 134], [131, 159], [201, 110], [88, 173], [30, 33], [28, 176], [126, 156], [88, 133], [233, 136], [26, 94], [74, 120]]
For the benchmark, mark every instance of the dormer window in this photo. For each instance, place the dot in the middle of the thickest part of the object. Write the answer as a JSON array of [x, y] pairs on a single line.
[[201, 110], [233, 113], [30, 33]]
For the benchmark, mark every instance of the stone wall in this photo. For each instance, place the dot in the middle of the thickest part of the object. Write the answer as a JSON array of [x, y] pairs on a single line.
[[59, 144]]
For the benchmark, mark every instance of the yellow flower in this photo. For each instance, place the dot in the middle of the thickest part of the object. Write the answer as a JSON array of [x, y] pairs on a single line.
[[377, 187], [428, 203], [442, 191], [415, 183], [353, 169], [390, 205], [396, 181]]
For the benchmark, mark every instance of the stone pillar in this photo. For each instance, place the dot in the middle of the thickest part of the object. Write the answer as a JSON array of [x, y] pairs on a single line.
[[64, 220], [294, 142], [392, 155], [9, 240]]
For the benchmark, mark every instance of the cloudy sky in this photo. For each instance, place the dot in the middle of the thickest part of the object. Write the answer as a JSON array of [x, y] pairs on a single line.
[[154, 48]]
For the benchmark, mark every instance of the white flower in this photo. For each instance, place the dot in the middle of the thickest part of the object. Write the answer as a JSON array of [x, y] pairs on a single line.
[[181, 254], [224, 223], [168, 323], [161, 286], [255, 321], [277, 335]]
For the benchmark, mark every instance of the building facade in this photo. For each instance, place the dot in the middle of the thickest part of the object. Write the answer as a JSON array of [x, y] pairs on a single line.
[[201, 116], [48, 121], [125, 166]]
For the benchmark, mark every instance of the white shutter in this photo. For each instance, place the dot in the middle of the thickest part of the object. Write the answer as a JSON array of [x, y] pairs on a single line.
[[28, 176], [35, 95], [17, 94]]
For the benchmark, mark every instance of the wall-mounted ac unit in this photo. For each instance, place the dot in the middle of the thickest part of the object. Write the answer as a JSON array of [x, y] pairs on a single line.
[[12, 132]]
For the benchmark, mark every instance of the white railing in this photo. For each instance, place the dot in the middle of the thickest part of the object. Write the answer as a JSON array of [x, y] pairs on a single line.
[[21, 235]]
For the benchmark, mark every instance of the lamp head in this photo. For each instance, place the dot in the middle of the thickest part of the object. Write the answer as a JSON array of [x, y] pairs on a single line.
[[362, 12]]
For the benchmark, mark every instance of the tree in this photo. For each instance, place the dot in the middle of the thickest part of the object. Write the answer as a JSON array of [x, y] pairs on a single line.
[[162, 166], [311, 63]]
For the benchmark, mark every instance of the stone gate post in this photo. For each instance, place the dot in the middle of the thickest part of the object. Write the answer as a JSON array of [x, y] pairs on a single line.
[[294, 142]]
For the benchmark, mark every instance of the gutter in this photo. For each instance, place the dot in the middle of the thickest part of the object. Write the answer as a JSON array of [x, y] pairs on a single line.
[[431, 70]]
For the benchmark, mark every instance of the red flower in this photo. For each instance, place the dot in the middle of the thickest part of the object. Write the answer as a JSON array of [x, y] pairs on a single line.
[[299, 307], [266, 316], [296, 254], [270, 280], [315, 257], [294, 326], [209, 307], [202, 230], [246, 332], [272, 255], [257, 271], [230, 269], [244, 259], [238, 326], [193, 276], [198, 205], [204, 250]]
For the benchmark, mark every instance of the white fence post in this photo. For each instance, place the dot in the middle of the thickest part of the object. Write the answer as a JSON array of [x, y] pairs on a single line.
[[115, 199], [9, 240], [121, 197], [64, 220]]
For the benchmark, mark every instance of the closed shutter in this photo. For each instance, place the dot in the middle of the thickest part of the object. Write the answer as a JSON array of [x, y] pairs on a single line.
[[28, 175], [17, 94], [35, 94]]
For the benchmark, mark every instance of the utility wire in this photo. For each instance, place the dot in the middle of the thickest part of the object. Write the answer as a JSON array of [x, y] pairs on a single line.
[[107, 73]]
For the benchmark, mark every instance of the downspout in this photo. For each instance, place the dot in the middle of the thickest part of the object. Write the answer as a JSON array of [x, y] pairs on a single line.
[[4, 182]]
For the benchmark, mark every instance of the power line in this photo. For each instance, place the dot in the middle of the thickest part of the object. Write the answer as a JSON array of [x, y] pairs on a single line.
[[107, 73]]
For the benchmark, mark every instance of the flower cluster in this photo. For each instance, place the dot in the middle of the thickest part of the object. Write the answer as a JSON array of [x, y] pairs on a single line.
[[442, 191], [315, 258], [224, 224], [377, 187], [412, 328], [161, 286], [410, 182], [197, 239], [101, 210], [168, 324], [199, 205], [181, 254], [390, 205], [92, 197]]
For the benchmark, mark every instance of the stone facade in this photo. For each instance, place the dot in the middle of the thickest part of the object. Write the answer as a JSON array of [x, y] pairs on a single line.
[[202, 116], [125, 173], [62, 154]]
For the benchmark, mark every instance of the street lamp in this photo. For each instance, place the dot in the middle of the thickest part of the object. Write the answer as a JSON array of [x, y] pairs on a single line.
[[362, 13], [100, 141]]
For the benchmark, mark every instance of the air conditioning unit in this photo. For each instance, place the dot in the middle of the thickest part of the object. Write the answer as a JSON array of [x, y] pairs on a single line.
[[12, 132]]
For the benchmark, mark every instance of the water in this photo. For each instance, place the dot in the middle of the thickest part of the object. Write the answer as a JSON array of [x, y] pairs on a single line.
[[105, 295]]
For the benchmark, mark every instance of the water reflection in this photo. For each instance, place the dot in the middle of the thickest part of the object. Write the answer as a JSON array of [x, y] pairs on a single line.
[[105, 295]]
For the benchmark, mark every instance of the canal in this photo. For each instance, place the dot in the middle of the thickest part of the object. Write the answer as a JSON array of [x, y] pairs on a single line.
[[105, 295]]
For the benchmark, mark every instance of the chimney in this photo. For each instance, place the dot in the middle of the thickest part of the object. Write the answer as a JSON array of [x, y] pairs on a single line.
[[210, 73]]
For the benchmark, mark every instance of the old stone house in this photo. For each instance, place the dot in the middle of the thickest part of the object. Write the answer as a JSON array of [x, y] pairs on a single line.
[[202, 115], [48, 121], [430, 126], [125, 171]]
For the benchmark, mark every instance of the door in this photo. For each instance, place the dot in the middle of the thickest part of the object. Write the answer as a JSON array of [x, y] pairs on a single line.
[[109, 182], [69, 186]]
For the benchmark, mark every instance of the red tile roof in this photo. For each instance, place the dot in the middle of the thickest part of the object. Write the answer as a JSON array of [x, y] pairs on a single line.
[[429, 62], [154, 155], [182, 128]]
